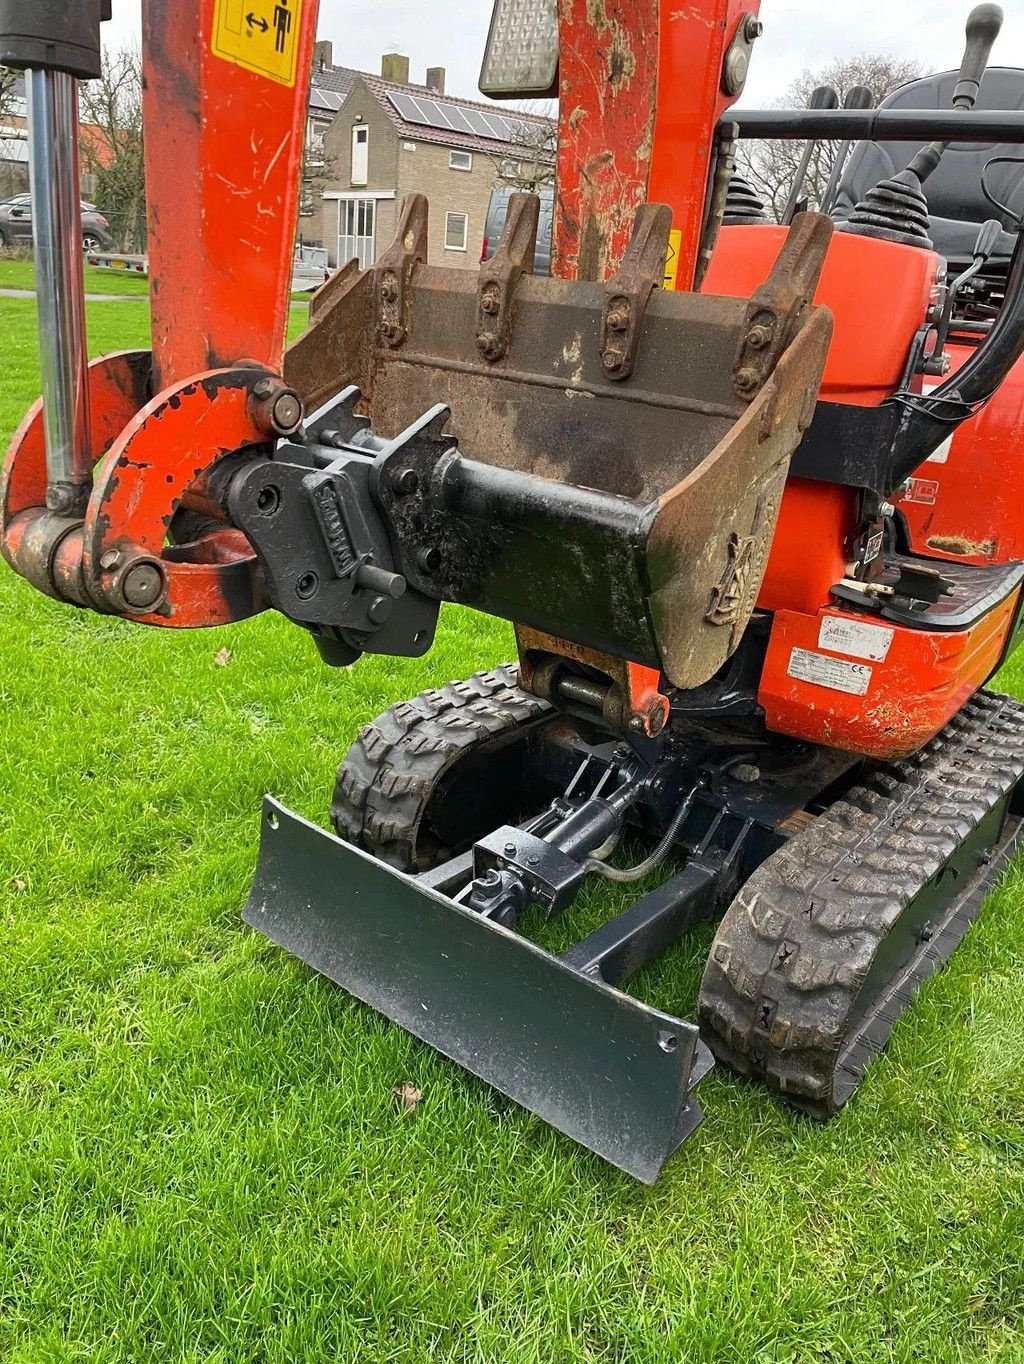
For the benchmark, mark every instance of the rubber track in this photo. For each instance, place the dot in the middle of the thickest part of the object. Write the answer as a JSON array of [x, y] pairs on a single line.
[[390, 773], [780, 996]]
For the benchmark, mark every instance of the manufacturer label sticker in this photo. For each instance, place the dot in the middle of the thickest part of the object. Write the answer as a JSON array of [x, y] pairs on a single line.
[[260, 35], [834, 673], [855, 638]]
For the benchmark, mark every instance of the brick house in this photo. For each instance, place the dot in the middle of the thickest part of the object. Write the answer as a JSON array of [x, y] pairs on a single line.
[[14, 147], [390, 138]]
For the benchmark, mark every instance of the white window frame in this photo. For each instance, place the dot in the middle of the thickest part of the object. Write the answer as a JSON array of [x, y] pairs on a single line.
[[353, 243], [452, 165], [465, 231], [360, 154]]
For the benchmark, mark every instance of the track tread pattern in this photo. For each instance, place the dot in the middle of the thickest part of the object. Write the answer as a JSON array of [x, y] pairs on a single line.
[[779, 998], [390, 773]]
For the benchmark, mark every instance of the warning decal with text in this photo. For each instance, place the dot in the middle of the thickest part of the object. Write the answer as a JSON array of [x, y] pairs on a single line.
[[675, 241], [261, 35]]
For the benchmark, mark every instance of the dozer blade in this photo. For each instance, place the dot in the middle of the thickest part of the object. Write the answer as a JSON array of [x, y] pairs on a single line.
[[598, 1065]]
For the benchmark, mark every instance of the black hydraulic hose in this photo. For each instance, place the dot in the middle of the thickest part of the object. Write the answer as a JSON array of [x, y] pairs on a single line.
[[927, 422], [624, 875]]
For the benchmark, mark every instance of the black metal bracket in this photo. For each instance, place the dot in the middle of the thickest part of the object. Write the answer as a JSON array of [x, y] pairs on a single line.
[[499, 276], [627, 292], [324, 551], [779, 306], [394, 271]]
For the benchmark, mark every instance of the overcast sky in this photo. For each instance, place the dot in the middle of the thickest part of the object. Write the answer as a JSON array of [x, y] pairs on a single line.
[[798, 34]]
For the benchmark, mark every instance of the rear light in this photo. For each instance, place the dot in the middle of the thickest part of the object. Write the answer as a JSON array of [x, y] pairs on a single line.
[[521, 57], [101, 220], [483, 253]]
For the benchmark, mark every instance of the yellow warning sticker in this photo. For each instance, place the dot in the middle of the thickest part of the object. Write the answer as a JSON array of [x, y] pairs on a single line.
[[261, 35], [675, 241]]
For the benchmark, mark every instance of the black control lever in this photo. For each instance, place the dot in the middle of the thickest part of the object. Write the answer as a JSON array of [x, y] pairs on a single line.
[[860, 97], [985, 247], [822, 97], [983, 25]]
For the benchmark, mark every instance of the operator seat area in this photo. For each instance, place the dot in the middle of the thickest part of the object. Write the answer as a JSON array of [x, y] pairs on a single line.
[[956, 201]]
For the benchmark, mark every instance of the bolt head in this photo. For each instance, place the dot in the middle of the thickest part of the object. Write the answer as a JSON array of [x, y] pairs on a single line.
[[758, 337], [380, 610], [143, 585], [286, 413], [752, 28], [66, 499], [737, 64], [747, 380], [618, 319], [110, 559], [510, 850], [263, 389]]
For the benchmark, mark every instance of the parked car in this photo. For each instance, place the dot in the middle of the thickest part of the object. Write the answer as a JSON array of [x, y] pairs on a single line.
[[497, 212], [16, 225], [311, 266]]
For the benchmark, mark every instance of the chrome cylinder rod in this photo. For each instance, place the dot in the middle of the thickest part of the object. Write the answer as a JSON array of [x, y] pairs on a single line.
[[52, 98]]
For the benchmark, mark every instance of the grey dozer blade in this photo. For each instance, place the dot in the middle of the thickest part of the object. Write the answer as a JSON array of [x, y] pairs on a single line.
[[607, 1070]]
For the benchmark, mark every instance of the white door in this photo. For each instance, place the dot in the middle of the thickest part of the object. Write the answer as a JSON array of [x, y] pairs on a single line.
[[357, 231]]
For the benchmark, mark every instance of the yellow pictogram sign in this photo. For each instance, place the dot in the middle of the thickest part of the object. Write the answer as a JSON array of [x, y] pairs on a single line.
[[675, 241], [261, 35]]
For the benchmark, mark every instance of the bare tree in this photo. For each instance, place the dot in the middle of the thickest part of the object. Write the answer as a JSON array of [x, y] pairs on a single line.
[[317, 167], [8, 83], [529, 163], [13, 174], [112, 148], [770, 166]]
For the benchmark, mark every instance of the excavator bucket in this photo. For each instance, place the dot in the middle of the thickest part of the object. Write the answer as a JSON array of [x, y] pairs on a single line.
[[607, 1070], [622, 447]]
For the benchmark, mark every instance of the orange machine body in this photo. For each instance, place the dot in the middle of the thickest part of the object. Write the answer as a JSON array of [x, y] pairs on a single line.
[[833, 674], [966, 502]]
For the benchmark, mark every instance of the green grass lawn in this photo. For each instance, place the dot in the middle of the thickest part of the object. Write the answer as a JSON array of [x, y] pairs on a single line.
[[200, 1155], [19, 274]]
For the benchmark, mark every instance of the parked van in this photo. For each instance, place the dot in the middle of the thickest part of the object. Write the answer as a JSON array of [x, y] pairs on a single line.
[[497, 212]]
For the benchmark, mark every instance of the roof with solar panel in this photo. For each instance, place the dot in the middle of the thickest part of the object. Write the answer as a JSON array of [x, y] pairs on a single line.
[[422, 115]]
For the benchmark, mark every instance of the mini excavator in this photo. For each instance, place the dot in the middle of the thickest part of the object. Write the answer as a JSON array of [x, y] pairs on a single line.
[[750, 493]]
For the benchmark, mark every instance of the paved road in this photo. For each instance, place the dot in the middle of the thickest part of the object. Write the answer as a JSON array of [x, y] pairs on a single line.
[[89, 298], [102, 298]]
